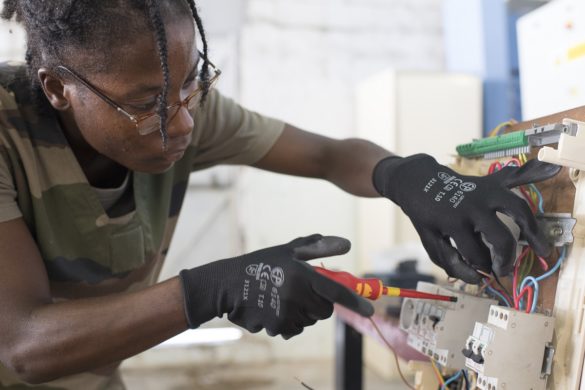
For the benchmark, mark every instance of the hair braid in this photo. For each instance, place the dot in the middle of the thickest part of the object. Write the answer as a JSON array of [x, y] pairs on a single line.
[[9, 9], [204, 76], [161, 42], [58, 31]]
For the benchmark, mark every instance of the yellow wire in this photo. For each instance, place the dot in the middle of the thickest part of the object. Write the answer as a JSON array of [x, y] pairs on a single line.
[[395, 354], [499, 127], [437, 372], [522, 158]]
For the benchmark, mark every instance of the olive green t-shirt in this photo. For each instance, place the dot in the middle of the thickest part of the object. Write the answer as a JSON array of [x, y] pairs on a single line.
[[87, 252]]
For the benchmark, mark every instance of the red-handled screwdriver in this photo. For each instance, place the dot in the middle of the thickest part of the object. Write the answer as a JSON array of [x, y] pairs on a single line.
[[373, 288]]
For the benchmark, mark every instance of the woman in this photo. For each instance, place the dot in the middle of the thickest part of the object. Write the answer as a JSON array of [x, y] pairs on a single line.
[[93, 170]]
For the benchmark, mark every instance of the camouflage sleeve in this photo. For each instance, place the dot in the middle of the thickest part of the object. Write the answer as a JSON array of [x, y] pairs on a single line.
[[8, 207], [227, 133]]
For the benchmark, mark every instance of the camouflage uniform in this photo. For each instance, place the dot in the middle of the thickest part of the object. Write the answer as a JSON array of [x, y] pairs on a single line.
[[88, 253]]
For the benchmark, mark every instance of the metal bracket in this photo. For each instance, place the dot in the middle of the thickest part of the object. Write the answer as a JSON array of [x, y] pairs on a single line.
[[547, 362], [557, 228], [550, 134]]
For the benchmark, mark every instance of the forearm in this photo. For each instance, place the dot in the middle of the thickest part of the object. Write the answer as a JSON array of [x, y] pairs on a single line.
[[349, 164], [87, 334]]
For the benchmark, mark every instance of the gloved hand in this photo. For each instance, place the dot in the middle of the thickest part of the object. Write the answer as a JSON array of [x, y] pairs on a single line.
[[272, 288], [443, 204]]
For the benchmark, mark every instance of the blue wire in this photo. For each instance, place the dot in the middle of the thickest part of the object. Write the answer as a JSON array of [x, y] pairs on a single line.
[[540, 198], [556, 266], [466, 378], [451, 380], [498, 294], [543, 276], [536, 287]]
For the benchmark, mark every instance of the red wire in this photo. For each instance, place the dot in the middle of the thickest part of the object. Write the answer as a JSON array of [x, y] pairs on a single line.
[[528, 198], [513, 160], [515, 279], [496, 166], [529, 290], [543, 263]]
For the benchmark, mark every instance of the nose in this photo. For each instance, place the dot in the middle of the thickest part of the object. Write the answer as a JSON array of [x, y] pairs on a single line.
[[181, 124]]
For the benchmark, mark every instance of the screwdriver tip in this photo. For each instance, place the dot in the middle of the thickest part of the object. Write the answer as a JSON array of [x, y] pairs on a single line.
[[453, 299]]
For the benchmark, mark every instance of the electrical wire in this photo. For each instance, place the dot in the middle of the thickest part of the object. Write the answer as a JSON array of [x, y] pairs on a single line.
[[536, 287], [466, 379], [526, 266], [503, 288], [522, 157], [515, 276], [513, 162], [498, 129], [394, 353], [306, 386], [556, 266], [499, 295], [438, 373], [527, 196], [539, 197], [451, 380], [534, 281], [492, 277]]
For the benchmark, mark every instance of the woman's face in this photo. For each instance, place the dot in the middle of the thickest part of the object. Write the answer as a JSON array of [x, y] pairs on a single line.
[[133, 81]]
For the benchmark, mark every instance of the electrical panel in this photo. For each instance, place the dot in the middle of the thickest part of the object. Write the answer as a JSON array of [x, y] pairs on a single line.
[[512, 350], [439, 329]]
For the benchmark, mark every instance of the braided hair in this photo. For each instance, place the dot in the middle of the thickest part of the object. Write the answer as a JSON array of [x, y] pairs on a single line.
[[59, 29]]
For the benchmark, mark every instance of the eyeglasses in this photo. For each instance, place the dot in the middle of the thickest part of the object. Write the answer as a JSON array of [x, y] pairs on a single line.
[[150, 122]]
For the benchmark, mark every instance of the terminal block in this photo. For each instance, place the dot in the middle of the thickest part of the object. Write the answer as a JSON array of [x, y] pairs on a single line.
[[440, 329], [512, 350], [517, 142]]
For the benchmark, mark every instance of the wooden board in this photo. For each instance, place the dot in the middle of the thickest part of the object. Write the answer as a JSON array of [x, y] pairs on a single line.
[[558, 194]]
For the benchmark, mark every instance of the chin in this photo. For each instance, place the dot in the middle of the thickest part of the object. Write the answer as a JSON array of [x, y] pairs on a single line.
[[153, 167]]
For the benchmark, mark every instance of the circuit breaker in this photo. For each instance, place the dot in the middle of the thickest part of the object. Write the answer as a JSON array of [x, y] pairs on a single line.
[[440, 329], [512, 350]]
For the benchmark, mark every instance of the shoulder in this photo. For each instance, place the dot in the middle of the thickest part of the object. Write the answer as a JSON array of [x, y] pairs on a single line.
[[14, 81]]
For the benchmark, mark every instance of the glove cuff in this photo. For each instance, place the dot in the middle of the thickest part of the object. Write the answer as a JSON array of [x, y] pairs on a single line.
[[381, 172], [200, 295], [384, 175]]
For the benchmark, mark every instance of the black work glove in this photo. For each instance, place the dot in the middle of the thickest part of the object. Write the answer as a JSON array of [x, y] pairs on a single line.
[[272, 288], [443, 204]]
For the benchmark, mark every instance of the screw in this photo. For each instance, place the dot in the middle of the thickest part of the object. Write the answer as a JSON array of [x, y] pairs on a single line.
[[513, 325], [490, 352], [556, 231]]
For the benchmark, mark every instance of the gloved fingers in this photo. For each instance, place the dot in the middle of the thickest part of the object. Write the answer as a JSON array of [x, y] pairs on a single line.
[[471, 246], [517, 209], [445, 256], [290, 323], [502, 242], [334, 292], [531, 172], [285, 332], [292, 333], [315, 246], [318, 309]]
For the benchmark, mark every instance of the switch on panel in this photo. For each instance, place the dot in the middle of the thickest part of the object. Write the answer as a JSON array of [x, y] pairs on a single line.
[[512, 350], [440, 329]]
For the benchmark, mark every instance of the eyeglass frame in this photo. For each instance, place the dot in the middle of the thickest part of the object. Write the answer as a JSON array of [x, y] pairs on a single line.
[[137, 119]]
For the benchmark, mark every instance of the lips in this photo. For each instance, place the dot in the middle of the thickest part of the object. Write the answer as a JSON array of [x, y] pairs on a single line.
[[177, 146]]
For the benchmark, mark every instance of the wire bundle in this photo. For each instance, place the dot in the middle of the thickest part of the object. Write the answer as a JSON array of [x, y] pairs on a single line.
[[525, 287]]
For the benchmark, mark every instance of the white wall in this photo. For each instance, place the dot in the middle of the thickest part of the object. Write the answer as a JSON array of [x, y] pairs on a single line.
[[301, 62]]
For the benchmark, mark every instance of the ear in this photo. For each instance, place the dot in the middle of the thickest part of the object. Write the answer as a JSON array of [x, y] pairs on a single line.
[[54, 89]]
